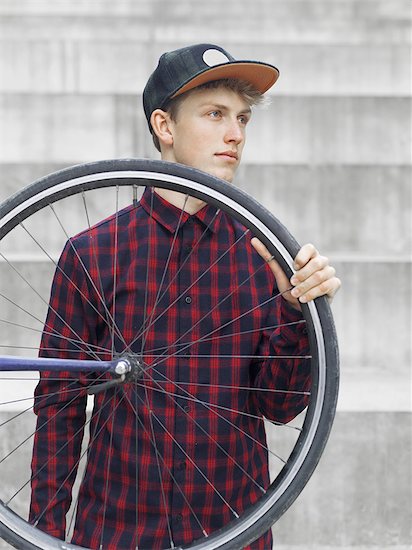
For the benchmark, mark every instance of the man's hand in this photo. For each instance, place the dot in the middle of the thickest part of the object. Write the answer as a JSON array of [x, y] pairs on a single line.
[[313, 277]]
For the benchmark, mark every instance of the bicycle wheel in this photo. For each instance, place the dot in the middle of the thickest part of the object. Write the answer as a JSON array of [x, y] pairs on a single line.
[[39, 222]]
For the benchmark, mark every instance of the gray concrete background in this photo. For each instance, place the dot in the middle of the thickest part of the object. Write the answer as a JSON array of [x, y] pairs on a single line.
[[330, 157]]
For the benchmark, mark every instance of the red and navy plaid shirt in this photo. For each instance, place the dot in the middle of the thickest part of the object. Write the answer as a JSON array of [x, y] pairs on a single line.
[[199, 422]]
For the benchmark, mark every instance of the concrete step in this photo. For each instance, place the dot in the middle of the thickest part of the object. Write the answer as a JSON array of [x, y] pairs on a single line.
[[374, 326], [287, 20], [162, 33], [61, 128], [350, 212], [317, 130], [108, 66], [67, 128], [162, 36], [342, 507], [344, 8], [354, 213]]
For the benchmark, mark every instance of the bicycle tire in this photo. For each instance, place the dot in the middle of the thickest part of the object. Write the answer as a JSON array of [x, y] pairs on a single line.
[[317, 314]]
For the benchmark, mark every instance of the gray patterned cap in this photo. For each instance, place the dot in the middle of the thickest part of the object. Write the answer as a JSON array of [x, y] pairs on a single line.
[[181, 70]]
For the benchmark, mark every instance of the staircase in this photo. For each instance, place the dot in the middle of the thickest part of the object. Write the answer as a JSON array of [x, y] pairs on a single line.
[[330, 156]]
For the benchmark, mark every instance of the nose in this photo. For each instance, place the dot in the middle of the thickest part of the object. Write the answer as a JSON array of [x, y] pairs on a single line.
[[234, 132]]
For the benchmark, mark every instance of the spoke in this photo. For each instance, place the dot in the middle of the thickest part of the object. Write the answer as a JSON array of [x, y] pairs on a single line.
[[102, 296], [192, 285], [134, 194], [165, 357], [80, 430], [179, 223], [73, 469], [33, 433], [159, 298], [209, 408], [159, 472], [16, 378], [244, 388], [16, 415], [149, 246], [86, 298], [234, 356], [14, 401], [116, 236], [221, 407], [228, 387], [164, 464], [190, 253], [212, 439], [229, 335], [198, 384], [86, 271], [87, 348], [34, 379], [47, 395], [92, 438], [223, 299], [204, 476], [136, 471], [47, 333], [102, 351], [31, 348], [108, 464]]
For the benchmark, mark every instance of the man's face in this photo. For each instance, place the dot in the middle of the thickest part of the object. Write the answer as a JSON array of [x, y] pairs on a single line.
[[209, 131]]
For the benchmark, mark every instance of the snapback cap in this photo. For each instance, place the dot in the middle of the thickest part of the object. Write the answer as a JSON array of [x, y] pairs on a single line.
[[181, 70]]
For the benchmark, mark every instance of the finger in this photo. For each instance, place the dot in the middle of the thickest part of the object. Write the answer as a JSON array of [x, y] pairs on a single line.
[[262, 250], [315, 264], [328, 288], [305, 254], [269, 258], [316, 278]]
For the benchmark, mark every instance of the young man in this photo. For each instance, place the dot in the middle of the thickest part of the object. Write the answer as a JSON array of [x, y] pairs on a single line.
[[199, 412]]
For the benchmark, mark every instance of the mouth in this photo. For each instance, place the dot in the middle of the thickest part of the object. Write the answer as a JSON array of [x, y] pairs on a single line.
[[228, 155]]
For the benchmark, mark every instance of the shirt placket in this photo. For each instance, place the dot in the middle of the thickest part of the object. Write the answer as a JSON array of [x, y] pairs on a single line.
[[184, 427]]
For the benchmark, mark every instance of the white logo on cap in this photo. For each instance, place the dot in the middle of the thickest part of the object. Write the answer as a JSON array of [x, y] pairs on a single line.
[[214, 57]]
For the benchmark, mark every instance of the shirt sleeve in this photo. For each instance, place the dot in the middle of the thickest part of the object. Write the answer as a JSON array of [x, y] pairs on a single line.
[[60, 399], [286, 371]]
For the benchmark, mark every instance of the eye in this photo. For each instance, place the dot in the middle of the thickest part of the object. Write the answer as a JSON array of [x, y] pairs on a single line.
[[215, 114], [243, 119]]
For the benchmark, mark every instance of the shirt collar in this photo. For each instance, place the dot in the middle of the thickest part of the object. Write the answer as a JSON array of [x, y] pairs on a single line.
[[169, 215]]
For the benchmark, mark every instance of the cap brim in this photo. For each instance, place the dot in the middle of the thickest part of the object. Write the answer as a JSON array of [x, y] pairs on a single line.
[[261, 75]]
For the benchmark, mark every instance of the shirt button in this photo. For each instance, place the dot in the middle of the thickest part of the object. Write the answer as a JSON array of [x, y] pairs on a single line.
[[186, 408], [188, 300], [179, 518], [182, 466]]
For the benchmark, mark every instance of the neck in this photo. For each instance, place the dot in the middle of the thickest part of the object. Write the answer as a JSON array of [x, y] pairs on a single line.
[[191, 205]]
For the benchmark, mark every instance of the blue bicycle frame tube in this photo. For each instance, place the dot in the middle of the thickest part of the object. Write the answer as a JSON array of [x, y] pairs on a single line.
[[11, 363]]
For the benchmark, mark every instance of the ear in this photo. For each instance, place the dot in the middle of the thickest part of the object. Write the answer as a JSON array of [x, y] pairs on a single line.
[[161, 124]]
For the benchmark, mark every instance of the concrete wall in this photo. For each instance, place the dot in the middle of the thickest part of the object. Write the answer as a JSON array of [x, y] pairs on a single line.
[[330, 157]]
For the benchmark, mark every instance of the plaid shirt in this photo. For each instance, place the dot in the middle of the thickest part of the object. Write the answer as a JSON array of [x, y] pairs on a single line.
[[208, 333]]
